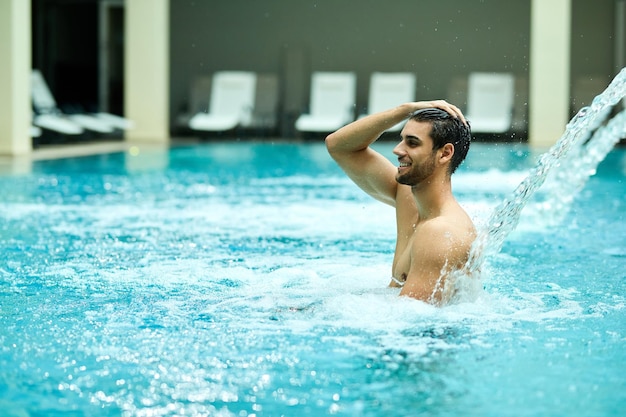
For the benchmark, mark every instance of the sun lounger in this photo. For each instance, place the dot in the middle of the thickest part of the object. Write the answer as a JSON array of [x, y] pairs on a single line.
[[231, 102], [490, 102], [49, 116], [333, 96], [389, 89]]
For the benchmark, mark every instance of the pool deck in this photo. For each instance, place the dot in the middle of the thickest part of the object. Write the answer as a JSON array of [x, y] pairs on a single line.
[[23, 163]]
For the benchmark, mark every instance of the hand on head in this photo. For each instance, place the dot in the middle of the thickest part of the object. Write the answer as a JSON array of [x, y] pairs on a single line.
[[443, 105]]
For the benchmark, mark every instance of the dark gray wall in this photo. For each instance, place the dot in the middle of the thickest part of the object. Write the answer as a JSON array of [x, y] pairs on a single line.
[[593, 31], [436, 39]]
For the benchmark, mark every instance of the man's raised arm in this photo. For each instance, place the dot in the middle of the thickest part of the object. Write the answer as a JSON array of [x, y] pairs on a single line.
[[372, 172], [349, 147]]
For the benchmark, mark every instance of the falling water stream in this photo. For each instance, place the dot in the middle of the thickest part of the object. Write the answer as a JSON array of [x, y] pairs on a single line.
[[574, 159], [568, 179]]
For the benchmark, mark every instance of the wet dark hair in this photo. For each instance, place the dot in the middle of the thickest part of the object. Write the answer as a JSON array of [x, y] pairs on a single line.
[[446, 129]]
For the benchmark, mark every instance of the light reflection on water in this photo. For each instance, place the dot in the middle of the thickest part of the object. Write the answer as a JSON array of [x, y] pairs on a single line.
[[252, 281]]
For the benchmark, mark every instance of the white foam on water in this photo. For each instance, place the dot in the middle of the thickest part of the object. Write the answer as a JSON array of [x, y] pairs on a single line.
[[338, 301], [309, 219], [492, 181], [347, 291]]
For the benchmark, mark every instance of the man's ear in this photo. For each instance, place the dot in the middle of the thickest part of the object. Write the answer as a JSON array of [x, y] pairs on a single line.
[[446, 153]]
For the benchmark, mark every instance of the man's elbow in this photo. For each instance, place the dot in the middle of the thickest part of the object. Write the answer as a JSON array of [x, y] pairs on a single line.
[[332, 144]]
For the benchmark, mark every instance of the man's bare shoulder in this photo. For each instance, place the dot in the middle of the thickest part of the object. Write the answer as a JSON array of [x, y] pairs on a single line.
[[451, 235], [439, 246]]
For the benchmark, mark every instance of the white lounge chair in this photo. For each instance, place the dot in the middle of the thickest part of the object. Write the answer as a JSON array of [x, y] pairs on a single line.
[[332, 102], [35, 131], [116, 121], [490, 102], [387, 90], [49, 116], [231, 102], [57, 123]]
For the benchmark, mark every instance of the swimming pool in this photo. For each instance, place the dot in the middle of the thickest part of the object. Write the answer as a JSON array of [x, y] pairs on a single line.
[[249, 279]]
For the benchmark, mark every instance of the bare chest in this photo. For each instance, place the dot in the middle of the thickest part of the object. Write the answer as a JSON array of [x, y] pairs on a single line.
[[403, 254]]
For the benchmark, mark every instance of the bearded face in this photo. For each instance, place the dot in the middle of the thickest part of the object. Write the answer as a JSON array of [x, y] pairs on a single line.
[[414, 172], [416, 157]]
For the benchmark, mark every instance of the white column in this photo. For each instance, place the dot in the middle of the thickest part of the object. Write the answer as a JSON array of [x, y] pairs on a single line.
[[146, 69], [549, 100], [15, 67]]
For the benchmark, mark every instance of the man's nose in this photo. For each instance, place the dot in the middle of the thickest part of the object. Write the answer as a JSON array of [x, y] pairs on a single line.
[[398, 149]]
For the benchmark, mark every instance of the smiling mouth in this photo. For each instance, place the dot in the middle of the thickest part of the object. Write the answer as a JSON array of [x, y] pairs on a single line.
[[404, 165]]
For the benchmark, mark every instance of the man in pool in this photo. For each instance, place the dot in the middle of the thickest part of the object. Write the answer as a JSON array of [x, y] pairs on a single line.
[[434, 233]]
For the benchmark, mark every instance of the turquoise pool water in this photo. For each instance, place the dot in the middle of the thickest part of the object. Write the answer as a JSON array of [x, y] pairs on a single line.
[[249, 279]]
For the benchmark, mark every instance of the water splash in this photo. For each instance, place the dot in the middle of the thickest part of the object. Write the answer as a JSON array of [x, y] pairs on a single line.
[[569, 179], [505, 217]]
